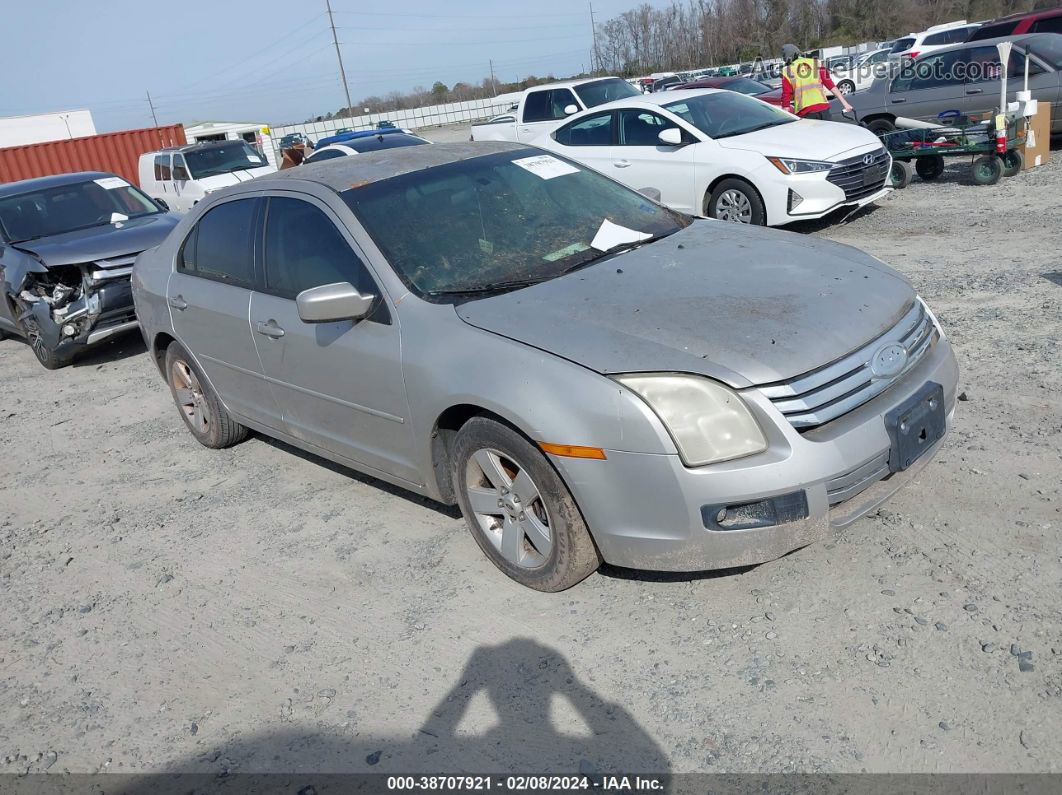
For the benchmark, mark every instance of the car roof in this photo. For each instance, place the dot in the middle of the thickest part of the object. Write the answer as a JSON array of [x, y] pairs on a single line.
[[54, 181], [342, 173], [198, 146], [571, 83], [656, 100], [1022, 39]]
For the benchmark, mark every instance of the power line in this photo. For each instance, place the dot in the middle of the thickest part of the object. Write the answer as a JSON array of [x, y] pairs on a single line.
[[461, 43], [150, 105]]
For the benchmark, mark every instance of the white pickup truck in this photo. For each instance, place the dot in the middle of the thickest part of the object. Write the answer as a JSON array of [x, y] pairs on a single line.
[[543, 106]]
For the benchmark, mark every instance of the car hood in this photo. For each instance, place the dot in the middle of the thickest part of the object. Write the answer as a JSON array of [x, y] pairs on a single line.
[[741, 304], [102, 242], [219, 181], [806, 138]]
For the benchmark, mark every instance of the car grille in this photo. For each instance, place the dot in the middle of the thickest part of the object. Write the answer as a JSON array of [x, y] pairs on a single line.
[[845, 487], [815, 398], [859, 179]]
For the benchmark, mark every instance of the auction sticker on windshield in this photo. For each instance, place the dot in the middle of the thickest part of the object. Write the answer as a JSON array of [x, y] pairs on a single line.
[[545, 166], [110, 183]]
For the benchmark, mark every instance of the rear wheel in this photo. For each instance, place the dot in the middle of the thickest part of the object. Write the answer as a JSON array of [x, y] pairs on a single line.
[[518, 509], [1013, 163], [202, 412], [846, 87], [900, 175], [987, 170], [930, 167], [736, 201]]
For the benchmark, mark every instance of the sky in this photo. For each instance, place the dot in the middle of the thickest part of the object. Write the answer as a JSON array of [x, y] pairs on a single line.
[[272, 61]]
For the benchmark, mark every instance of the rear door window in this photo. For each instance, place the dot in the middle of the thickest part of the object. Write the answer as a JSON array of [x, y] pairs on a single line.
[[594, 130], [304, 249], [221, 247], [162, 167]]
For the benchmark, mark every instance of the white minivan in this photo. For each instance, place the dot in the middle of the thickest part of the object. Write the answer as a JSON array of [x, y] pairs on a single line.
[[180, 176]]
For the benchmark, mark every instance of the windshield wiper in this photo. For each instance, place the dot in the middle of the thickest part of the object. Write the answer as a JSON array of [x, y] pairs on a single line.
[[491, 287], [757, 128], [597, 256]]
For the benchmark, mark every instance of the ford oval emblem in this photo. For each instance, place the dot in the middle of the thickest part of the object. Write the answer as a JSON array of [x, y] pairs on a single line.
[[888, 360], [868, 159]]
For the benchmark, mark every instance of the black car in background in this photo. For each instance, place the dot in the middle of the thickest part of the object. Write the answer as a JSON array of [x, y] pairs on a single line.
[[67, 245]]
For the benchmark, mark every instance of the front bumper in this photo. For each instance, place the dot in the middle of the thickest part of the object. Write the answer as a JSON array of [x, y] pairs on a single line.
[[647, 511]]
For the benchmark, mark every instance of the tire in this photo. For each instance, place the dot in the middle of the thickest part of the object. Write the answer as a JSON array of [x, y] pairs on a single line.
[[846, 87], [930, 167], [987, 170], [880, 126], [49, 359], [199, 407], [901, 174], [518, 509], [736, 201], [1013, 163]]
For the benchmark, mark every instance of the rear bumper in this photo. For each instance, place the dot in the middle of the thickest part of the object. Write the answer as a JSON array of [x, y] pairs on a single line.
[[651, 512]]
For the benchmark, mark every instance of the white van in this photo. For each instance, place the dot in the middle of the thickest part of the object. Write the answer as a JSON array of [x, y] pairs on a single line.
[[181, 176]]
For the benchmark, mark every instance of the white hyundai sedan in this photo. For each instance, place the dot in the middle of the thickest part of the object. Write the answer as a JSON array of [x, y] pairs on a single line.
[[727, 156]]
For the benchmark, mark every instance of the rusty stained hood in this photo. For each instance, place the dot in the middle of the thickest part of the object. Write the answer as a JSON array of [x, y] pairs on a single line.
[[745, 305]]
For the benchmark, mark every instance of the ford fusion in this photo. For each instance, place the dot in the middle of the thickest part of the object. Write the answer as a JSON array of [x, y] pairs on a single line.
[[589, 375], [67, 245]]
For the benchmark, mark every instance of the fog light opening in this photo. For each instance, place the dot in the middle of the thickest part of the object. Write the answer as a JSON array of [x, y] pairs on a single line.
[[795, 200], [759, 513]]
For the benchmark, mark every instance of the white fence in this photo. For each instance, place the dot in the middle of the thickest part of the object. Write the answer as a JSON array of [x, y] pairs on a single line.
[[413, 118]]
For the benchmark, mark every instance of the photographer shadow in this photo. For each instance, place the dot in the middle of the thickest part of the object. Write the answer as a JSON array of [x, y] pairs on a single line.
[[542, 720]]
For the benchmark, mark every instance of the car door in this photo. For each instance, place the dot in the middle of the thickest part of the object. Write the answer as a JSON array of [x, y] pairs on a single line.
[[164, 179], [209, 294], [339, 385], [928, 87], [588, 140], [640, 160], [542, 110], [983, 79]]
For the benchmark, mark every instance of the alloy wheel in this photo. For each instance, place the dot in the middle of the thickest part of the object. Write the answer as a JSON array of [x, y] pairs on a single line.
[[734, 206], [189, 396], [508, 507]]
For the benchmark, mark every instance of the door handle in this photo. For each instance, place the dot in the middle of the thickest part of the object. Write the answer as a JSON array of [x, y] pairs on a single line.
[[898, 100], [270, 329], [622, 163], [178, 303], [975, 91]]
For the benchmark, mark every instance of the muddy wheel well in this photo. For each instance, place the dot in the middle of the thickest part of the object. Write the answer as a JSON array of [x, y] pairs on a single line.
[[158, 350]]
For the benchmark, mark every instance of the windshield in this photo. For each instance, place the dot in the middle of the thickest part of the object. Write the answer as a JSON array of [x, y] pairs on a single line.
[[1047, 47], [902, 44], [501, 221], [232, 156], [65, 208], [745, 85], [601, 91], [726, 113]]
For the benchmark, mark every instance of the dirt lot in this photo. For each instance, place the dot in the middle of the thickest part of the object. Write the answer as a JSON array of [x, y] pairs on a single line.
[[164, 606]]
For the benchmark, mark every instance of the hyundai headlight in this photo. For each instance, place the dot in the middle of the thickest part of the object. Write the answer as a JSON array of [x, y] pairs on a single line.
[[788, 165], [708, 422]]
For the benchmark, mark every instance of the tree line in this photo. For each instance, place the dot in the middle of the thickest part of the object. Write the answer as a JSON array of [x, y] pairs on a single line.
[[688, 34]]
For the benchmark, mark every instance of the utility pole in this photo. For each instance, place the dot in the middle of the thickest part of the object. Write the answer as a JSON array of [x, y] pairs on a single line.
[[493, 82], [594, 57], [339, 55], [152, 106]]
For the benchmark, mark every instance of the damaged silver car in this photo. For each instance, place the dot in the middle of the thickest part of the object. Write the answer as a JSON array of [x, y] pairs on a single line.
[[67, 245]]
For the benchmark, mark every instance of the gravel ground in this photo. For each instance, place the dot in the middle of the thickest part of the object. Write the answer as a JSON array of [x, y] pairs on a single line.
[[168, 607]]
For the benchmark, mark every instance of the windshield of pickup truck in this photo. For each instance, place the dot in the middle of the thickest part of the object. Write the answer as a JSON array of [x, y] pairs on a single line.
[[726, 113], [222, 159], [601, 91], [502, 221], [66, 208]]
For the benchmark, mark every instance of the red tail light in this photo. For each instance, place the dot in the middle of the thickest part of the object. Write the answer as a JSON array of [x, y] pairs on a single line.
[[912, 55]]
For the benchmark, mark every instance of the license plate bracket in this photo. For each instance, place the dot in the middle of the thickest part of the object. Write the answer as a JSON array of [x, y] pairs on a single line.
[[915, 426]]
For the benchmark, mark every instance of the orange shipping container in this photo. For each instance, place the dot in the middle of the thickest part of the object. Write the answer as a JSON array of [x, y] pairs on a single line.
[[117, 152]]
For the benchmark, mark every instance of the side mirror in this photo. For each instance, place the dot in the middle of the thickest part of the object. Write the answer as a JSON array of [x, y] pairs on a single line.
[[570, 109], [672, 136], [162, 205], [651, 193], [331, 302]]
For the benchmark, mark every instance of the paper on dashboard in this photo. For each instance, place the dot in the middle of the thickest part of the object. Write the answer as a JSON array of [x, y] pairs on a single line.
[[610, 235]]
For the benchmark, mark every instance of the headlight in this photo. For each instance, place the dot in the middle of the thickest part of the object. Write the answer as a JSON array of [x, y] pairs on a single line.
[[708, 421], [788, 165]]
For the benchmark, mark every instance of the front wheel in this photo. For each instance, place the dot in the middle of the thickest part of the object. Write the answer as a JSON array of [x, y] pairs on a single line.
[[518, 509], [846, 87], [736, 201], [987, 170], [201, 410], [49, 358]]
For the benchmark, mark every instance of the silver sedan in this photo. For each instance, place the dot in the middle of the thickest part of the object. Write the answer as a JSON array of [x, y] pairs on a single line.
[[589, 375]]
